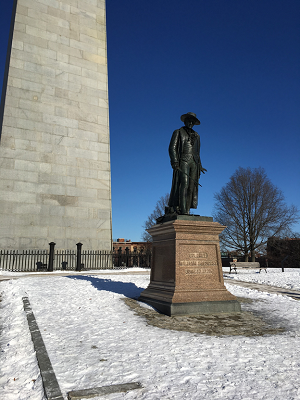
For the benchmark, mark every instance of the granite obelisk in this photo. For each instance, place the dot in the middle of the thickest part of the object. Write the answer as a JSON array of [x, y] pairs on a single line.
[[55, 154]]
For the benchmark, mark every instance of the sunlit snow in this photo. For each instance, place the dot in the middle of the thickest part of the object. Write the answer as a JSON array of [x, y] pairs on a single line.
[[93, 339]]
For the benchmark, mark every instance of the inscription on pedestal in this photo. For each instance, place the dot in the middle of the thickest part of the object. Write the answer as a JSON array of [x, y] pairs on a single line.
[[198, 255], [196, 263], [198, 271], [198, 266]]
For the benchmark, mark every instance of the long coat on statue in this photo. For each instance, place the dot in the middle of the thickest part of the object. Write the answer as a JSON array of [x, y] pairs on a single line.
[[179, 137]]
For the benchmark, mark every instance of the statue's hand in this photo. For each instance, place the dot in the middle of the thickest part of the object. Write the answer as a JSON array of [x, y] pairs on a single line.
[[175, 165], [203, 170]]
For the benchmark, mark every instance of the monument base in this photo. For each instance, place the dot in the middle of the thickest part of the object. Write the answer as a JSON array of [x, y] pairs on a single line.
[[186, 271], [203, 307]]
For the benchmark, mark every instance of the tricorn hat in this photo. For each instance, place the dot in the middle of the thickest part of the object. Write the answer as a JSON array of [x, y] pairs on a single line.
[[190, 115]]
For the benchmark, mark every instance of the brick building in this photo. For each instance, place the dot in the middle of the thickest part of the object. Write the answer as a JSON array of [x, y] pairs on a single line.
[[132, 246]]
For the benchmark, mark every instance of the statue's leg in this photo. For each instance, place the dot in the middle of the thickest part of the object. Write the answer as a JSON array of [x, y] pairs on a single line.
[[192, 180], [184, 183]]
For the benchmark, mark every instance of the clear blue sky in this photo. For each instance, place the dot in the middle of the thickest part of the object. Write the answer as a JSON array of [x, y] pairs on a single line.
[[236, 64]]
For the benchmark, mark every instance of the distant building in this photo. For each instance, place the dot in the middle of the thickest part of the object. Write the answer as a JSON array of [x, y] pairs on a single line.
[[284, 253], [131, 246], [127, 254]]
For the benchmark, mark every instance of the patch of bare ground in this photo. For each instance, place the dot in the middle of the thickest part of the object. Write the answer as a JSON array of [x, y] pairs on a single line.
[[244, 323]]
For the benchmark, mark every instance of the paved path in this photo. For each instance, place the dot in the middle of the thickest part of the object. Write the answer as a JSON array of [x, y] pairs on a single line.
[[295, 294]]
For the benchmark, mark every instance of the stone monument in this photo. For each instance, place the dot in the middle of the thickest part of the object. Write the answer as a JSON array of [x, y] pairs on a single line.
[[186, 271], [54, 149]]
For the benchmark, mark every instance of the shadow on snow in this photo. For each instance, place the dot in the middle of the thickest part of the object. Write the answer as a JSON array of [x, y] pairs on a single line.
[[128, 289]]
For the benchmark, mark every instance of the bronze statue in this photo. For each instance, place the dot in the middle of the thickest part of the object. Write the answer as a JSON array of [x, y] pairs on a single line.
[[184, 151]]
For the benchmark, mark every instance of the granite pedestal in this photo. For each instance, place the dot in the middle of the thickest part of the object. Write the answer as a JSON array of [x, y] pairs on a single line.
[[186, 272]]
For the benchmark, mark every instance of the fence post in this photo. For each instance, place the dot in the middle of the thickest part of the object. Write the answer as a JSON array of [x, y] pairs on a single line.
[[282, 263], [51, 256], [135, 258], [127, 258], [78, 263], [119, 256], [148, 260]]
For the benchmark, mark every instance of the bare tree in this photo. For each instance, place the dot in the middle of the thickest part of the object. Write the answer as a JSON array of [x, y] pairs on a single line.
[[158, 211], [253, 209]]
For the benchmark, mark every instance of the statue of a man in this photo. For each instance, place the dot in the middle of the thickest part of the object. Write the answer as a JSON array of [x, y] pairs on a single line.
[[184, 151]]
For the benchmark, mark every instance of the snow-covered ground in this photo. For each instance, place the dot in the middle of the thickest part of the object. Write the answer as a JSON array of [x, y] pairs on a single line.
[[8, 274], [289, 279], [93, 339]]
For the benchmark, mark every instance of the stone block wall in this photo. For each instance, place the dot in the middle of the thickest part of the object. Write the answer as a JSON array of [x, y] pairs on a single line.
[[54, 149]]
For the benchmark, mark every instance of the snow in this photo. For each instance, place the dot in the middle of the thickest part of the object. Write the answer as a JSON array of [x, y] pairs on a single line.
[[19, 376], [289, 279], [6, 274], [93, 339]]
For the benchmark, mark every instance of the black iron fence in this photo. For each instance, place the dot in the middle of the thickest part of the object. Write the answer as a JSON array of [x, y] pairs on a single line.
[[26, 260], [76, 260]]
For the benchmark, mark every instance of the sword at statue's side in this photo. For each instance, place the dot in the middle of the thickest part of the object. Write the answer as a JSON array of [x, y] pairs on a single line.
[[190, 177]]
